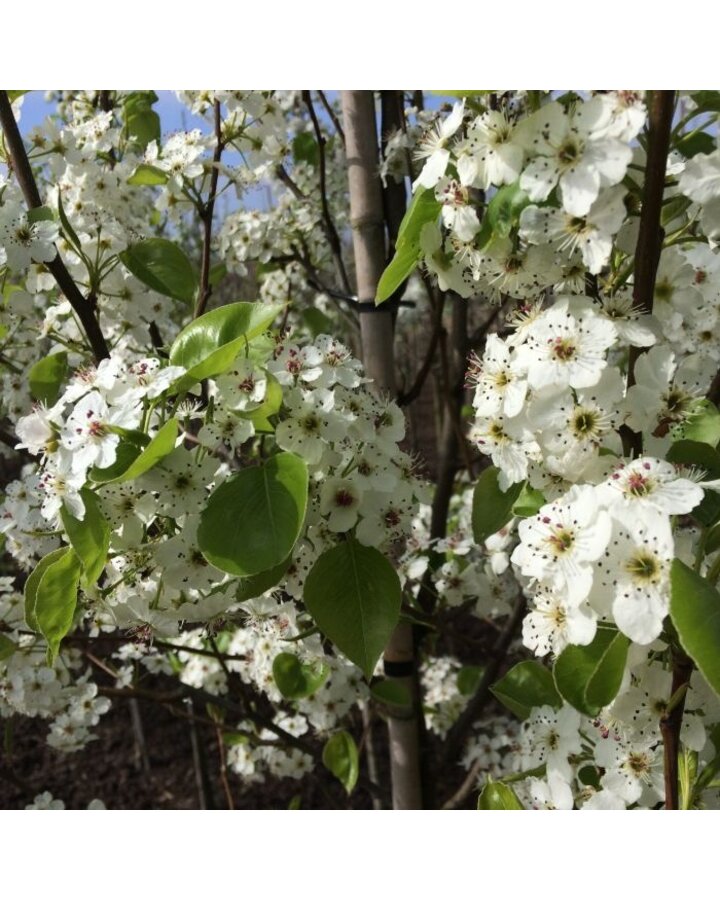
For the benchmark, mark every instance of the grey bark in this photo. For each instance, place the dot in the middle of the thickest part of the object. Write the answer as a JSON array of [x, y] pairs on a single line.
[[376, 331]]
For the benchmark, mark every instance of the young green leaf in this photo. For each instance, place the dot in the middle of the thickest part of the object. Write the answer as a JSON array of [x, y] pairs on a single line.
[[391, 693], [7, 647], [56, 599], [296, 679], [492, 508], [142, 123], [353, 593], [702, 426], [254, 585], [145, 174], [90, 538], [695, 613], [251, 521], [528, 503], [340, 756], [496, 795], [701, 456], [46, 377], [527, 685], [133, 462], [209, 345], [32, 583], [502, 213], [423, 208], [468, 679], [162, 266], [589, 677]]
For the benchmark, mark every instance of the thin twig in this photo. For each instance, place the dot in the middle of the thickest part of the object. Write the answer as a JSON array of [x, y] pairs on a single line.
[[329, 226], [206, 216], [333, 116], [415, 389], [482, 695], [468, 784], [20, 164]]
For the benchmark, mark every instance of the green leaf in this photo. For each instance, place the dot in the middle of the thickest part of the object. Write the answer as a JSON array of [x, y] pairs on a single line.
[[295, 679], [90, 538], [305, 148], [353, 593], [703, 426], [14, 95], [217, 273], [695, 142], [492, 508], [589, 677], [502, 213], [496, 795], [162, 266], [46, 377], [707, 101], [391, 693], [56, 599], [31, 585], [125, 456], [317, 322], [695, 613], [136, 462], [712, 539], [526, 686], [252, 521], [70, 232], [340, 756], [529, 502], [209, 345], [40, 214], [7, 647], [423, 208], [145, 174], [701, 456], [255, 585], [142, 123], [468, 679]]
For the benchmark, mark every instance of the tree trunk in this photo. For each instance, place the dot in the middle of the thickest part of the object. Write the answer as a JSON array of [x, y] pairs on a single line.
[[376, 331]]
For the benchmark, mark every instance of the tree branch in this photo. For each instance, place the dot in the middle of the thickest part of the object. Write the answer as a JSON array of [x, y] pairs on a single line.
[[329, 225], [671, 723], [23, 172], [206, 216], [478, 701], [650, 233], [333, 116]]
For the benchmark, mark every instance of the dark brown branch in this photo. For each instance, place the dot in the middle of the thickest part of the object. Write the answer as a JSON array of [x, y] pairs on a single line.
[[468, 717], [329, 225], [394, 197], [284, 176], [406, 398], [206, 216], [333, 116], [650, 234], [671, 724], [23, 172]]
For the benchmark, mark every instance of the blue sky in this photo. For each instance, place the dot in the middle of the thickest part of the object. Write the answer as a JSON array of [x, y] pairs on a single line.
[[173, 114]]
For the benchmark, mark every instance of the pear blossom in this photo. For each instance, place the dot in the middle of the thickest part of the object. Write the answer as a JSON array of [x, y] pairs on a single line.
[[555, 621], [573, 149], [434, 148], [560, 543]]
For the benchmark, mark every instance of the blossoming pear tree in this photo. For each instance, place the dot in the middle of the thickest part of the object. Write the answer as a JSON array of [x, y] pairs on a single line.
[[212, 499]]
